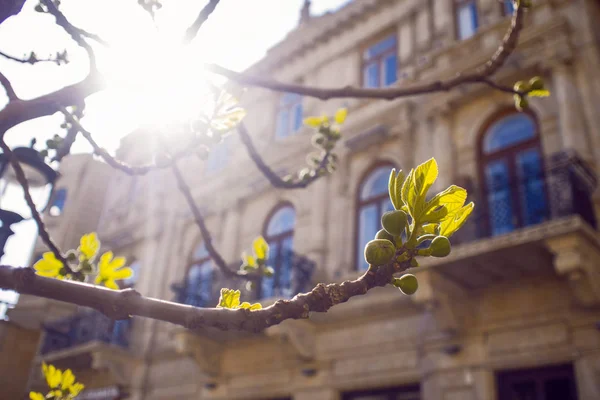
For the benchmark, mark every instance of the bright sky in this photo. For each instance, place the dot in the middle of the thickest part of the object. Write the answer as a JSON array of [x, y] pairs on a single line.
[[144, 66]]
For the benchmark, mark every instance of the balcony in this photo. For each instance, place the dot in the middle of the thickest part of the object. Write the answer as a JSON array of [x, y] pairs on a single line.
[[293, 276], [83, 328], [503, 241]]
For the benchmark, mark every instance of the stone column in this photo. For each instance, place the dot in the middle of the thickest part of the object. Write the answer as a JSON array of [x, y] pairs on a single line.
[[572, 123], [230, 233], [443, 22]]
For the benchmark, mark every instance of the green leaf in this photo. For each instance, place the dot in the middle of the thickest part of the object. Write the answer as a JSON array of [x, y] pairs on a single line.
[[261, 248], [408, 193], [432, 229], [249, 260], [229, 299], [539, 93], [452, 198], [399, 181], [437, 214], [392, 188], [455, 220]]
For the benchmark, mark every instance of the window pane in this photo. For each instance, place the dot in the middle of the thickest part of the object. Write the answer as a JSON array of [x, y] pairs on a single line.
[[533, 196], [371, 78], [282, 221], [499, 198], [267, 283], [467, 20], [297, 117], [390, 69], [285, 268], [386, 205], [199, 284], [376, 184], [283, 123], [509, 7], [558, 389], [379, 48], [368, 222], [524, 391], [58, 202], [508, 132]]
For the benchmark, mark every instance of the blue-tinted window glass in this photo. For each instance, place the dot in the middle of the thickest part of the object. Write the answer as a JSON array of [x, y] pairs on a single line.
[[368, 225], [199, 284], [58, 202], [285, 268], [467, 20], [371, 78], [282, 221], [532, 191], [267, 289], [509, 131], [289, 116], [376, 184], [509, 7], [381, 47], [499, 198], [389, 67]]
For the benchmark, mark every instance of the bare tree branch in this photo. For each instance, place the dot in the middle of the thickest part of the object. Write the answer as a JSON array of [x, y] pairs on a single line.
[[206, 236], [271, 175], [8, 8], [31, 59], [192, 31], [42, 231], [489, 68], [124, 303], [10, 92]]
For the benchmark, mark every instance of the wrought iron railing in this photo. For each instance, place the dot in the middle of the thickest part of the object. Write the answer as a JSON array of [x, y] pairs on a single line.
[[298, 268], [564, 189], [82, 328]]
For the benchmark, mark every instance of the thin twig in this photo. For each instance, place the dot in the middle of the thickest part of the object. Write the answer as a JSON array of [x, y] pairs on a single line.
[[10, 91], [120, 304], [206, 236], [271, 175], [92, 36], [74, 32], [26, 60], [192, 31], [118, 164], [22, 179], [489, 68]]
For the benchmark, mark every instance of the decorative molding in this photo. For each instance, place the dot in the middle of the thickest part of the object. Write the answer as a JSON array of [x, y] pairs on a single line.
[[300, 334], [205, 352]]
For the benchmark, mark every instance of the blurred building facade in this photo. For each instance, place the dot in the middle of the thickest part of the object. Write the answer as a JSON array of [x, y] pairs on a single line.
[[511, 314]]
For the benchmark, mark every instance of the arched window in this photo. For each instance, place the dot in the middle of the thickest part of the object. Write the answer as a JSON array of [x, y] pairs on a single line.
[[198, 288], [373, 201], [279, 233], [58, 202], [513, 174]]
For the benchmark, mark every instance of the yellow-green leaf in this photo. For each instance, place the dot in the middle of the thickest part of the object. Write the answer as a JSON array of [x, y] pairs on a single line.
[[261, 248], [251, 307], [89, 245], [229, 299], [539, 93], [340, 115], [455, 220], [430, 229], [249, 260], [408, 192], [392, 188], [36, 396], [452, 198], [424, 176]]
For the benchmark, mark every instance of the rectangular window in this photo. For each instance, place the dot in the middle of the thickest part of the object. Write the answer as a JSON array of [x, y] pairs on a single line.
[[466, 18], [548, 383], [399, 393], [290, 115], [380, 63]]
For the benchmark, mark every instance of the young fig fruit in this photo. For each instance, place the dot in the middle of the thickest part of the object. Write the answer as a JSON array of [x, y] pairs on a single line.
[[536, 83], [440, 246], [407, 284], [382, 234], [379, 252], [394, 222]]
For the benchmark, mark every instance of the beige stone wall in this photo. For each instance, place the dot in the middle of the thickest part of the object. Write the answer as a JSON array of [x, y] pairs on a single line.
[[17, 350]]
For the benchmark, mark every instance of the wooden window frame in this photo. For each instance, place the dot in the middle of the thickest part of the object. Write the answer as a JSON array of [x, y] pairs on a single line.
[[508, 153], [360, 204], [279, 238], [456, 4], [379, 58]]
